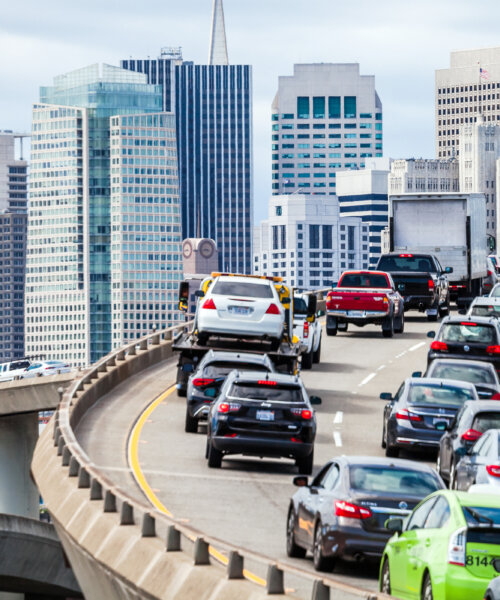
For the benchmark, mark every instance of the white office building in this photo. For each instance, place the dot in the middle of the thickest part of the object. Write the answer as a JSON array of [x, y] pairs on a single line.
[[307, 242], [428, 176], [326, 118]]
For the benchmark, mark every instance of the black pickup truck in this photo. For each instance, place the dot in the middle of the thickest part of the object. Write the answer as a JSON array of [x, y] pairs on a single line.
[[421, 280]]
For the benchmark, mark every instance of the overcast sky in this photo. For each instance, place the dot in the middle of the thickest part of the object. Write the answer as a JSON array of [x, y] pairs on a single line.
[[399, 42]]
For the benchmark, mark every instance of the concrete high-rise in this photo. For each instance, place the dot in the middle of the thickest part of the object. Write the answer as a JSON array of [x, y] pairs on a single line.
[[213, 107], [72, 249], [13, 222], [469, 87], [325, 118]]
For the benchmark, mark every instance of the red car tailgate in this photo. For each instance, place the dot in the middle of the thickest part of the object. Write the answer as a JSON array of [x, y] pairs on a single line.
[[357, 299]]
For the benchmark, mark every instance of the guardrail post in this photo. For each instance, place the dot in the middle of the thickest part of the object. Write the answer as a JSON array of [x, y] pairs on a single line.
[[320, 591], [235, 566], [201, 554], [73, 467], [148, 526], [132, 351], [60, 445], [95, 490], [57, 435], [65, 456], [173, 539], [143, 345], [274, 580], [109, 501], [83, 478], [126, 514]]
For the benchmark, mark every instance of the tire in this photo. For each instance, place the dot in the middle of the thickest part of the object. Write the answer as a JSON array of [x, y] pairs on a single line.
[[214, 457], [331, 331], [317, 354], [390, 451], [426, 593], [388, 327], [182, 393], [385, 578], [343, 327], [191, 423], [444, 311], [321, 562], [292, 550], [383, 443], [400, 328], [305, 465], [203, 338], [307, 360], [432, 318]]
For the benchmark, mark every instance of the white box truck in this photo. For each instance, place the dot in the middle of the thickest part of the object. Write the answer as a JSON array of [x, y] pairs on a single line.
[[450, 226]]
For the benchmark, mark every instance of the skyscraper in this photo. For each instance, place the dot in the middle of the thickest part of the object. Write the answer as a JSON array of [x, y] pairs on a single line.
[[71, 249], [213, 107], [13, 221], [325, 118]]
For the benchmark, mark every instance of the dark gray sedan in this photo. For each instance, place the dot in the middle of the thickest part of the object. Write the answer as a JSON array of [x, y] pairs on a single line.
[[481, 464], [342, 513]]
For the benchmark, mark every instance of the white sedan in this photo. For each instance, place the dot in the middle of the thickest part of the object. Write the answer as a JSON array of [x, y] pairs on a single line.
[[241, 306], [46, 367]]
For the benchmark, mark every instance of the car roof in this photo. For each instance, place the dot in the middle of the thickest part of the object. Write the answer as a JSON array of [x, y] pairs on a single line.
[[486, 500], [439, 381], [488, 301], [473, 319], [384, 462], [483, 405], [252, 376], [461, 363]]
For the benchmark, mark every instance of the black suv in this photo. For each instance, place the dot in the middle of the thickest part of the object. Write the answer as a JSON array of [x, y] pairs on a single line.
[[262, 415]]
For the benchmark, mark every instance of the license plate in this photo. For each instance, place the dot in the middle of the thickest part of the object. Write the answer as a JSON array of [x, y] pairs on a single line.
[[265, 415], [239, 310], [356, 313]]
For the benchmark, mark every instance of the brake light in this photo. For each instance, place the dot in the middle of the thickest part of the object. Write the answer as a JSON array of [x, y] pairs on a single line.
[[495, 397], [493, 470], [439, 346], [406, 256], [273, 310], [471, 435], [456, 547], [266, 382], [493, 350], [226, 407], [223, 407], [406, 415], [306, 329], [210, 304], [296, 440], [431, 285], [353, 511], [304, 413], [201, 382], [469, 324]]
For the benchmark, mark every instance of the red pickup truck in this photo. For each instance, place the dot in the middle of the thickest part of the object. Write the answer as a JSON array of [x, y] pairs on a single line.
[[363, 297]]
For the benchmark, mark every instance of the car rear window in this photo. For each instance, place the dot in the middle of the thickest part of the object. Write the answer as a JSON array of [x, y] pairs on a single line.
[[392, 481], [481, 515], [20, 364], [219, 369], [486, 420], [418, 264], [268, 391], [468, 334], [242, 288], [363, 280], [299, 306], [463, 373], [484, 310], [439, 394]]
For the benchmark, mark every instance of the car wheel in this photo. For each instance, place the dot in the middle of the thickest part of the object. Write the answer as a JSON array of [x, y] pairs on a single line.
[[292, 549], [432, 318], [384, 442], [427, 588], [214, 457], [331, 331], [321, 562], [388, 327], [317, 354], [390, 451], [401, 324], [385, 579], [305, 464], [307, 360], [191, 423], [444, 311], [342, 326], [181, 392]]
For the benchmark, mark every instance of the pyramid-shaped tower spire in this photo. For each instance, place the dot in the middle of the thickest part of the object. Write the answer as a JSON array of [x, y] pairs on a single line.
[[218, 45]]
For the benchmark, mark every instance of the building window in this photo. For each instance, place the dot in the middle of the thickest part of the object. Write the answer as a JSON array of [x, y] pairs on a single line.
[[275, 237], [334, 107], [349, 107], [314, 236], [319, 107], [279, 211], [327, 237], [350, 237], [302, 107], [283, 236]]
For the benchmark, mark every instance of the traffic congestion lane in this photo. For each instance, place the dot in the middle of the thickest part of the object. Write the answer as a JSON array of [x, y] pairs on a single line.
[[247, 500]]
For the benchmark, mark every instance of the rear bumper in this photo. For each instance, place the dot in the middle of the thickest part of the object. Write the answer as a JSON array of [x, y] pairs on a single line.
[[367, 317], [353, 542], [419, 302], [268, 326], [461, 584], [405, 437], [255, 446]]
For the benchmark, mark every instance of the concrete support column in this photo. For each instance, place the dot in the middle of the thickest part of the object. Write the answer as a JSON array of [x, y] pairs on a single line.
[[18, 493]]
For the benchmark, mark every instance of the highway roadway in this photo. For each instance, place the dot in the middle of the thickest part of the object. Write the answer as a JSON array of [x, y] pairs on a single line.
[[142, 445]]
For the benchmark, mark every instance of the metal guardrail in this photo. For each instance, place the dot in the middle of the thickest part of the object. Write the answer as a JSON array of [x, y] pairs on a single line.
[[81, 396]]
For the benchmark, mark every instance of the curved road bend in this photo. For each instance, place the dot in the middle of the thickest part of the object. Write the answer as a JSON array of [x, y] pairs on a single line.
[[246, 501]]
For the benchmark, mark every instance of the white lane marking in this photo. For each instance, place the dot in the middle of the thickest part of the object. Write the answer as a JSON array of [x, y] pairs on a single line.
[[337, 438], [381, 367], [338, 417], [417, 346], [400, 354], [367, 379]]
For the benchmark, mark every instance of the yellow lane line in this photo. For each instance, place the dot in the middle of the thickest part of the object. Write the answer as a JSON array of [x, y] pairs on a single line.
[[133, 457]]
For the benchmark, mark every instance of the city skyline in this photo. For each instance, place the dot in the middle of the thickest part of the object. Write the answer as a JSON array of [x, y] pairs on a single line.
[[39, 46]]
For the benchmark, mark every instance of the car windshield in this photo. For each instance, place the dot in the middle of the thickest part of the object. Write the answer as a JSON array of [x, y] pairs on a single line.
[[418, 264], [468, 333], [389, 480], [485, 310], [299, 306], [267, 390], [245, 289], [439, 394], [363, 280], [486, 420], [472, 374], [220, 369]]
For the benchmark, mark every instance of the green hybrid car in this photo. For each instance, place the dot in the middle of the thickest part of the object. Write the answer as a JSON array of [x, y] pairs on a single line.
[[444, 549]]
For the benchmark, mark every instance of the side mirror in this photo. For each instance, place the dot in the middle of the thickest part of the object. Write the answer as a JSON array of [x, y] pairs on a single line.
[[315, 400], [386, 396], [199, 293], [431, 334], [395, 524], [301, 481], [183, 296], [448, 270], [416, 374], [312, 305]]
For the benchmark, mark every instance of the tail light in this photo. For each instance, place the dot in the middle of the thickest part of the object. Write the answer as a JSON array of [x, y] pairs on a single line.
[[266, 382], [493, 350], [210, 304], [471, 435], [469, 324], [490, 273], [431, 285], [495, 397], [273, 310], [306, 329], [353, 511], [440, 346], [303, 413], [406, 415], [202, 382], [493, 470], [228, 407], [456, 547]]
